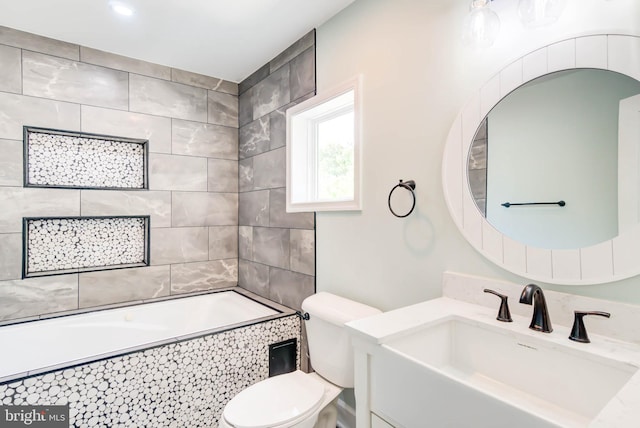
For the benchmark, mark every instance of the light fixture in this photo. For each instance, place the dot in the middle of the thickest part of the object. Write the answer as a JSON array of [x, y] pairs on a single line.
[[482, 25], [539, 13], [121, 8]]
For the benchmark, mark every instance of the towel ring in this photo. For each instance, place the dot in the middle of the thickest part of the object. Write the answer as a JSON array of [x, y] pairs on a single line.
[[410, 186]]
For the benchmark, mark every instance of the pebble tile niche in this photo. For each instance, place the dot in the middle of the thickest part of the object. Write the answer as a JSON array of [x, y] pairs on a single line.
[[77, 160], [185, 384], [80, 244]]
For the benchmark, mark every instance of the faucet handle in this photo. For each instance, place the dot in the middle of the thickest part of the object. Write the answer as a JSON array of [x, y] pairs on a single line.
[[503, 313], [578, 331]]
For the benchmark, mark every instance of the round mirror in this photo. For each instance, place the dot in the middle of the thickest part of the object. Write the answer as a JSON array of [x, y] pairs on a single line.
[[560, 124], [543, 167]]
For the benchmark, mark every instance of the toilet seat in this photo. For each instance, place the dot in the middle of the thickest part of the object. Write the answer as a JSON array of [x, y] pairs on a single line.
[[276, 401]]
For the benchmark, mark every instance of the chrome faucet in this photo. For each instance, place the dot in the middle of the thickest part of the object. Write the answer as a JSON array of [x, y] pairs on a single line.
[[532, 294]]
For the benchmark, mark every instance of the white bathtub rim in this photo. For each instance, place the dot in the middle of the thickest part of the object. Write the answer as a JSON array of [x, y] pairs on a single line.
[[283, 312], [132, 303]]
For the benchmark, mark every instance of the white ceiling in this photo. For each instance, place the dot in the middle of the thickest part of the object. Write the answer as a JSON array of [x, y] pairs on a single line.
[[228, 39]]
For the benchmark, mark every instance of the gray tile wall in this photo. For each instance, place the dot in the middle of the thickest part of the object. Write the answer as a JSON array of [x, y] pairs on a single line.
[[276, 249], [191, 122], [477, 167]]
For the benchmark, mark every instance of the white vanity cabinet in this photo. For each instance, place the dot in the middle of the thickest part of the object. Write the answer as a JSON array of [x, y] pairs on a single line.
[[448, 363]]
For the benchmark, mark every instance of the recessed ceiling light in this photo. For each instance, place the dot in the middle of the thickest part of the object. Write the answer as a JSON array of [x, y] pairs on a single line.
[[121, 8]]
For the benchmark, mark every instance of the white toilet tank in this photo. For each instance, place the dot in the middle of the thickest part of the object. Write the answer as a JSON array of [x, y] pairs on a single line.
[[330, 348]]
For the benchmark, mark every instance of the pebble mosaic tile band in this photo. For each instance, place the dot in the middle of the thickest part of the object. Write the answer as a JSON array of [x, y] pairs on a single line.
[[185, 384], [78, 160], [59, 245]]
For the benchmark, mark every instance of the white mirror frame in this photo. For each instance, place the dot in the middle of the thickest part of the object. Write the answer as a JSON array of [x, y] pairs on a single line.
[[609, 261]]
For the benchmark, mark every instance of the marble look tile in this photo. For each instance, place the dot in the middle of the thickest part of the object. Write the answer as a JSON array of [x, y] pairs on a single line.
[[245, 244], [119, 62], [622, 326], [245, 175], [245, 108], [60, 79], [254, 277], [204, 209], [303, 251], [179, 245], [17, 111], [303, 74], [169, 172], [279, 217], [202, 81], [10, 256], [478, 182], [478, 154], [271, 93], [35, 296], [222, 175], [11, 163], [254, 78], [107, 202], [269, 169], [11, 70], [123, 285], [223, 242], [202, 139], [271, 246], [254, 138], [189, 277], [290, 288], [278, 128], [126, 124], [223, 109], [18, 202], [254, 208], [32, 42], [304, 43], [302, 98], [162, 98]]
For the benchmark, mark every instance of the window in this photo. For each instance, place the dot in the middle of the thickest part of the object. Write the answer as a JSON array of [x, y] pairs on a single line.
[[323, 151]]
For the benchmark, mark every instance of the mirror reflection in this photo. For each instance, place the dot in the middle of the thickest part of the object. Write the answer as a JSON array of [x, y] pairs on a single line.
[[568, 136]]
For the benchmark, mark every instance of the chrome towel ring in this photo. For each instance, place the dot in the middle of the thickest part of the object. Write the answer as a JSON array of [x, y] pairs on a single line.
[[410, 186]]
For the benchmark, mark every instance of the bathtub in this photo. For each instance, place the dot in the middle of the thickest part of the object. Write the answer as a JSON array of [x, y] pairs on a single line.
[[172, 363], [44, 345]]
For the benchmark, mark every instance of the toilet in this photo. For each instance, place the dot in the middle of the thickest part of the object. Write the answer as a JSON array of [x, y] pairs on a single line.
[[298, 399]]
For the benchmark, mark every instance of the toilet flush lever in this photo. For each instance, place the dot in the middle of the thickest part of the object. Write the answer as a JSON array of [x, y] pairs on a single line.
[[304, 315], [503, 313], [578, 331]]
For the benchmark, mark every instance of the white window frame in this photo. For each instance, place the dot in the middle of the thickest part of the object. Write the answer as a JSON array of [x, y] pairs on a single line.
[[302, 125]]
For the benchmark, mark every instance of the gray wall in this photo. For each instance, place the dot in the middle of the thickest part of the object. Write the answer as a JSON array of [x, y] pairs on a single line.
[[191, 122], [276, 249]]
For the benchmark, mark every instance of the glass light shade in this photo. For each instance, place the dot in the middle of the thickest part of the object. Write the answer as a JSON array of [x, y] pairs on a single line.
[[121, 8], [482, 25], [539, 13]]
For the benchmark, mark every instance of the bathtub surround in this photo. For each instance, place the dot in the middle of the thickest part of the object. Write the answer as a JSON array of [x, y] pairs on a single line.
[[276, 249], [187, 383], [191, 124]]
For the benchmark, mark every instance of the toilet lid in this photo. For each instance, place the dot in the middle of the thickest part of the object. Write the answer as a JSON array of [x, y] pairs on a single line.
[[274, 401]]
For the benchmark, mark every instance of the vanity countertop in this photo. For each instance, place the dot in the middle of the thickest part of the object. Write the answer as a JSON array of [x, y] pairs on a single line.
[[621, 411]]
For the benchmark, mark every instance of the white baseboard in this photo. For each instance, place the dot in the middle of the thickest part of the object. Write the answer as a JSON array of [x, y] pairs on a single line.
[[346, 415]]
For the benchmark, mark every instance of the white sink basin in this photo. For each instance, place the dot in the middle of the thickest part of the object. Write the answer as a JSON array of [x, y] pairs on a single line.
[[558, 384]]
